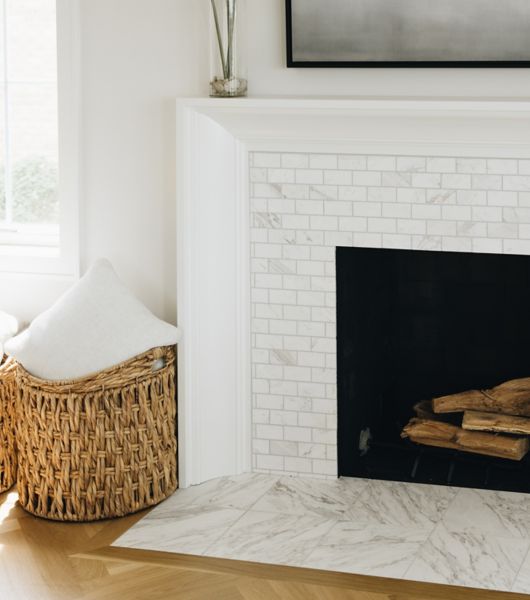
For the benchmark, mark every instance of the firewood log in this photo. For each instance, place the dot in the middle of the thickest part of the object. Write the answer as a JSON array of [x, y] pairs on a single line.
[[445, 435], [484, 421], [509, 398]]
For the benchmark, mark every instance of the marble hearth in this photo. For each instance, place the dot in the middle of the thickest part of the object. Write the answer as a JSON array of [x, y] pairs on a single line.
[[428, 533]]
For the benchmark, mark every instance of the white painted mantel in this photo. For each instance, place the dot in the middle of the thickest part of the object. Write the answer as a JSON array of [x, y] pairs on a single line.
[[214, 138]]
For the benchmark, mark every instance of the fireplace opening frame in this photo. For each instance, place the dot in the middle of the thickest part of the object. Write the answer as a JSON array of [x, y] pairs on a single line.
[[413, 325]]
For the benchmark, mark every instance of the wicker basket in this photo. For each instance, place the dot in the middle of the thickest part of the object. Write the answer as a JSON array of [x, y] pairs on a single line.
[[101, 446], [8, 457]]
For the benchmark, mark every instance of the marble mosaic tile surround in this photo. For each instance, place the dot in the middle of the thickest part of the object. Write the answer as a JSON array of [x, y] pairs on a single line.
[[302, 207], [420, 532]]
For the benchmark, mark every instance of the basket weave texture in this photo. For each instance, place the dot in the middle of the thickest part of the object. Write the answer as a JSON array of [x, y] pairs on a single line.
[[101, 446], [8, 457]]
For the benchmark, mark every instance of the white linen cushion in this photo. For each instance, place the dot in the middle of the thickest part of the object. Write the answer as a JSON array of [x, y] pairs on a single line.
[[96, 324], [8, 328]]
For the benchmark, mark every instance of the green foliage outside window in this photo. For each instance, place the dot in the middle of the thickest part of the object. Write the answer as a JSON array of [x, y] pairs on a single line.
[[35, 191]]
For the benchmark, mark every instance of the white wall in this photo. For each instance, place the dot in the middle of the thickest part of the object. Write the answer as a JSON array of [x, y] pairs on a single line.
[[138, 55], [267, 75]]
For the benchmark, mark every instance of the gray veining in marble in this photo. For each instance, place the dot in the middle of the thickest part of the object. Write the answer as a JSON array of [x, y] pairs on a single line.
[[503, 514], [421, 532], [385, 550], [188, 530], [239, 492], [331, 499], [402, 504], [469, 559], [271, 538]]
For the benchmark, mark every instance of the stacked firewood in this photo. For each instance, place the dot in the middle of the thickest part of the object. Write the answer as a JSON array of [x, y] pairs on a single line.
[[495, 422]]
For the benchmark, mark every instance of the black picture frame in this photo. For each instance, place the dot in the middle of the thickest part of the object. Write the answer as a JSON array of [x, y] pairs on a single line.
[[466, 64]]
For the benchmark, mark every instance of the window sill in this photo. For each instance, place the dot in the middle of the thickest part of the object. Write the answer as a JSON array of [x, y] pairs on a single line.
[[34, 249]]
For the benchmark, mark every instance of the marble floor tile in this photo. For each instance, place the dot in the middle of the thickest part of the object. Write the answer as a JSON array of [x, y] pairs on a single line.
[[384, 550], [469, 559], [271, 538], [239, 492], [402, 504], [522, 581], [503, 514], [303, 496], [189, 530]]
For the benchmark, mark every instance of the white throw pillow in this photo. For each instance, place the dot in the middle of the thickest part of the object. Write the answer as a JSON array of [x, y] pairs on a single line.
[[8, 328], [96, 324]]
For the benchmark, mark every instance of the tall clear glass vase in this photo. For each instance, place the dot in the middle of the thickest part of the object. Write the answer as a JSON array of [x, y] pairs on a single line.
[[228, 68]]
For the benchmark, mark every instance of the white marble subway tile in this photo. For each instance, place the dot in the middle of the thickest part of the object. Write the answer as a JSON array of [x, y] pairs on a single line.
[[441, 164], [271, 538], [472, 559], [353, 162], [383, 550], [401, 504], [471, 165], [396, 179], [298, 495], [295, 161], [188, 530], [411, 164]]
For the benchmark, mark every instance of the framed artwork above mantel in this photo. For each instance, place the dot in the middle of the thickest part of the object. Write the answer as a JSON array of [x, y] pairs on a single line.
[[408, 33]]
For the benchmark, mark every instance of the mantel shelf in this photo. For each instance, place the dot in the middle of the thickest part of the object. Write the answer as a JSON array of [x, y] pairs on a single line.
[[331, 103], [489, 126]]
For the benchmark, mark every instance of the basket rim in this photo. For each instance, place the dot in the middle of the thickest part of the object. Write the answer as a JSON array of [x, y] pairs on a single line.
[[7, 365], [99, 377]]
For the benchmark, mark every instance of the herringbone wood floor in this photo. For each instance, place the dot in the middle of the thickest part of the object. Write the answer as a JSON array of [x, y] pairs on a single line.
[[41, 560]]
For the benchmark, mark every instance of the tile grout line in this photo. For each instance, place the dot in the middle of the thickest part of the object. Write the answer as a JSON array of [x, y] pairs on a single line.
[[276, 480], [313, 548], [337, 521], [245, 512], [333, 521], [224, 532], [520, 567], [431, 533]]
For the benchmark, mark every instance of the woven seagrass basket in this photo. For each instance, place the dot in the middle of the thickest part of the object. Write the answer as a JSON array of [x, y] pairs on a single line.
[[8, 457], [101, 446]]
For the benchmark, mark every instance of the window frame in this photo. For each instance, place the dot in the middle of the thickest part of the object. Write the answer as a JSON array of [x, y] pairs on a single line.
[[69, 120]]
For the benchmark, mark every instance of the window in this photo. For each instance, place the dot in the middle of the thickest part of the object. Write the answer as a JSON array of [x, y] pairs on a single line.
[[38, 129]]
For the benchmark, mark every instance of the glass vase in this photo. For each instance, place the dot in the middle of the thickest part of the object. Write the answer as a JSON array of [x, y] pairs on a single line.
[[228, 76]]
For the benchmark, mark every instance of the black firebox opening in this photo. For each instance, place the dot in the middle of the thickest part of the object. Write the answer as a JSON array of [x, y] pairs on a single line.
[[413, 325]]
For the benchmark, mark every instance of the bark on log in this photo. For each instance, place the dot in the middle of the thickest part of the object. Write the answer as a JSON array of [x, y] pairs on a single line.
[[445, 435], [484, 421], [509, 398]]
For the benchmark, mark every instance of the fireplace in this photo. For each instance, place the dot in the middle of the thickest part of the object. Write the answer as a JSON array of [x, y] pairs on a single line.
[[415, 325], [267, 189]]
